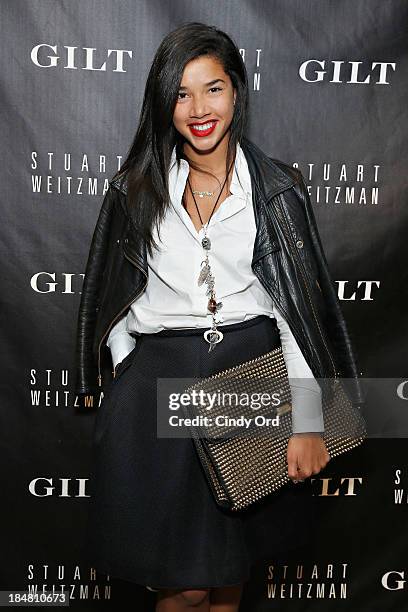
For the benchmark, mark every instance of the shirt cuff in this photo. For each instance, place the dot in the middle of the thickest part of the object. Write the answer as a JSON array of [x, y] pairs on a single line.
[[120, 346], [307, 413], [120, 342]]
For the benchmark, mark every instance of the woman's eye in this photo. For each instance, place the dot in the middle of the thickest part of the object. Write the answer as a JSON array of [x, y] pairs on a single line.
[[182, 93]]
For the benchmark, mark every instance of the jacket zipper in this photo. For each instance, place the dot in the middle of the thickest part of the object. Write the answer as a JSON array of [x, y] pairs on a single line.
[[297, 256], [118, 315]]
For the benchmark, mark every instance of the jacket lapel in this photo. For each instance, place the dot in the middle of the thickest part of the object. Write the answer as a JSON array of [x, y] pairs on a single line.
[[267, 180]]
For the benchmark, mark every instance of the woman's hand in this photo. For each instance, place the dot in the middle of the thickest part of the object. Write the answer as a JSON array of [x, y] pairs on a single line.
[[306, 455]]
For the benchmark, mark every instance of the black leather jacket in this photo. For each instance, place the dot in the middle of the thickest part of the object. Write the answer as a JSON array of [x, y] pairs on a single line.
[[288, 260]]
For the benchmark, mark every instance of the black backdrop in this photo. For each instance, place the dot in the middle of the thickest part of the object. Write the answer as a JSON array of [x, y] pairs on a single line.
[[328, 93]]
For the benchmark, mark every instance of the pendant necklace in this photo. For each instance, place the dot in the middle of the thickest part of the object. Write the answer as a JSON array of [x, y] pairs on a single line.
[[213, 335]]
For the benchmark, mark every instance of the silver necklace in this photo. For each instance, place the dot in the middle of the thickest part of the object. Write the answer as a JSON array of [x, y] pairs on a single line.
[[213, 335]]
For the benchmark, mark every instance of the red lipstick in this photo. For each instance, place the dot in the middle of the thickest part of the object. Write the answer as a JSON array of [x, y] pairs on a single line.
[[201, 132]]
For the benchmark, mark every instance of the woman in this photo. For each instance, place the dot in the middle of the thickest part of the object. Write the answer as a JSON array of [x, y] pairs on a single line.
[[196, 200]]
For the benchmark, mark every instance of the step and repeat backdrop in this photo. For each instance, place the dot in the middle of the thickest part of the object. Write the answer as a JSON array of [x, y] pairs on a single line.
[[328, 84]]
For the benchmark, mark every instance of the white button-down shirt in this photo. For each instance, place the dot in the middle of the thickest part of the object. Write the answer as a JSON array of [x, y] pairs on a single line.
[[173, 299]]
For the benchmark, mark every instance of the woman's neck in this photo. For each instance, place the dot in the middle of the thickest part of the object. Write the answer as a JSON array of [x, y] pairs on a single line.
[[212, 161]]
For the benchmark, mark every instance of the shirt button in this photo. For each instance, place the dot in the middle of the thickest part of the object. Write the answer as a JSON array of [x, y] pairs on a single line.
[[299, 244]]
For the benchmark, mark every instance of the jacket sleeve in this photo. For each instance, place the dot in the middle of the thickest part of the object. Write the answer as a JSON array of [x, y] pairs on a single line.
[[86, 367], [337, 327]]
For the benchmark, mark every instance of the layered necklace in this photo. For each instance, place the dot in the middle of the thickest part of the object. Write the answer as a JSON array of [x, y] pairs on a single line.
[[213, 335]]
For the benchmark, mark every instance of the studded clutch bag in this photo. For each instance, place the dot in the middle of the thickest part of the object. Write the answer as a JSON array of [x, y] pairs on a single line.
[[244, 463]]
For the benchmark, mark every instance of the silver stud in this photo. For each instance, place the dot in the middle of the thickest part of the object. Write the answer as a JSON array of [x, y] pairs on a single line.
[[299, 244]]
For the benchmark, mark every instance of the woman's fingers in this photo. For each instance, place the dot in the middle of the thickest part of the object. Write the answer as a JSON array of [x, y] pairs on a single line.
[[306, 455]]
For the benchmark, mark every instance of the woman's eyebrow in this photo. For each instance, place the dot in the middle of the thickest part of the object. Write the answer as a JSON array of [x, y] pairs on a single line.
[[206, 84]]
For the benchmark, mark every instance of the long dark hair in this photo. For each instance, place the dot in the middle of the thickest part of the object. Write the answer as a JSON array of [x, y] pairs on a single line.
[[148, 161]]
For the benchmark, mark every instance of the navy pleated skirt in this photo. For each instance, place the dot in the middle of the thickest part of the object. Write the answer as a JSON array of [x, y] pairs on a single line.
[[152, 517]]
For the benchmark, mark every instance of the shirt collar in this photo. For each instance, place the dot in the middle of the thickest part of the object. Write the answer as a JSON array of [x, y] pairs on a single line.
[[178, 177]]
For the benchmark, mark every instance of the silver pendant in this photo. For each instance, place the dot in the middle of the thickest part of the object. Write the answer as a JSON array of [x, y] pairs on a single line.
[[206, 242], [210, 284], [205, 271], [213, 337]]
